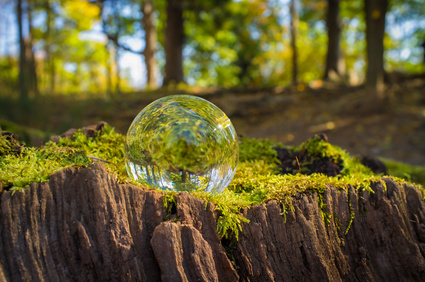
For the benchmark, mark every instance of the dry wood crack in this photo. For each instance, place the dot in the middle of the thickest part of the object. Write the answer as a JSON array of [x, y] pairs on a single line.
[[61, 230]]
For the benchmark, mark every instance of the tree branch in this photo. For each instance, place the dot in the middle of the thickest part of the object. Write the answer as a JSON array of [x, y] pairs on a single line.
[[114, 39]]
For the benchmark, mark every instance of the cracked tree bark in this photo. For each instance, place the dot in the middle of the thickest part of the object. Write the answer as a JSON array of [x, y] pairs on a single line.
[[82, 225]]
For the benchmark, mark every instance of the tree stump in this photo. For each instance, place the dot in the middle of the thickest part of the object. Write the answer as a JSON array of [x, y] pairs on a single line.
[[82, 225]]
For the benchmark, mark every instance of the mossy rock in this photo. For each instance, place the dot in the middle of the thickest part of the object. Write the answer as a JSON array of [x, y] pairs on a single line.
[[260, 176]]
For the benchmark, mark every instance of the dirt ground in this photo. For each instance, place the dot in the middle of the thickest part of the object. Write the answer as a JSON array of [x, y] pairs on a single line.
[[290, 115], [395, 131]]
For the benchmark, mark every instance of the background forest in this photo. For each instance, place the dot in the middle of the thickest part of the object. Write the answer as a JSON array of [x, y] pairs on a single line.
[[67, 63]]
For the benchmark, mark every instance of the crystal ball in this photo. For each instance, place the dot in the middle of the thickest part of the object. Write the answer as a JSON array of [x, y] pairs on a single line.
[[182, 143]]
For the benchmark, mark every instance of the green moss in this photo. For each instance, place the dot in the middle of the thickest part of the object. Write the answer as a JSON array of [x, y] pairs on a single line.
[[352, 214], [322, 206], [6, 146], [228, 204], [257, 179], [107, 146], [169, 202], [338, 225], [36, 165], [411, 173], [317, 148], [251, 149]]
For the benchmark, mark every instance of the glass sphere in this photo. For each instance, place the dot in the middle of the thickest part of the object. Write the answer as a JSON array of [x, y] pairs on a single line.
[[182, 143]]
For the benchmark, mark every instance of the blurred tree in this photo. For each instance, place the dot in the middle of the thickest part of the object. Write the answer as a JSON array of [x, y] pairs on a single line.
[[352, 41], [423, 47], [112, 25], [23, 65], [49, 34], [79, 62], [294, 30], [375, 11], [211, 42], [150, 42], [402, 46], [334, 62], [312, 41], [235, 43], [27, 71], [174, 37], [118, 24]]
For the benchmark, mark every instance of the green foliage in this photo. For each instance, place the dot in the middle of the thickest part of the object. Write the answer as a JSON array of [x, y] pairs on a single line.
[[8, 75], [403, 51], [234, 43], [228, 42]]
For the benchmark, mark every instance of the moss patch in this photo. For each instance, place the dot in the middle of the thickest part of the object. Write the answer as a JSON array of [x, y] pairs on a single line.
[[9, 143], [259, 177], [27, 165], [415, 174], [21, 166]]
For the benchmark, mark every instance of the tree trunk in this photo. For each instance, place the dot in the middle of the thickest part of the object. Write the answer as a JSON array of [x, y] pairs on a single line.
[[423, 46], [375, 11], [23, 66], [49, 61], [27, 71], [150, 43], [174, 35], [333, 58], [294, 30], [30, 56]]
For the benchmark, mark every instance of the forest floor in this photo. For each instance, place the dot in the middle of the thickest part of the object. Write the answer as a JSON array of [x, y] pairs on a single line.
[[290, 115]]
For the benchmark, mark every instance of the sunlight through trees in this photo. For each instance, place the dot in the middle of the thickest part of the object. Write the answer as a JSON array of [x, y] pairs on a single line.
[[52, 47]]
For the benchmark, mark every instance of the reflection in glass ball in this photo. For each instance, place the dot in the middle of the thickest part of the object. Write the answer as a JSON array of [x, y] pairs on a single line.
[[182, 143]]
